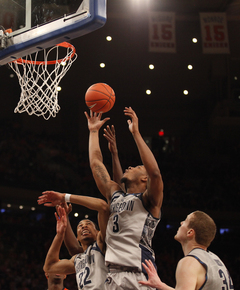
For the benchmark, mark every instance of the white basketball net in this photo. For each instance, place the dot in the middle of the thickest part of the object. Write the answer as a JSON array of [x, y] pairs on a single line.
[[39, 80]]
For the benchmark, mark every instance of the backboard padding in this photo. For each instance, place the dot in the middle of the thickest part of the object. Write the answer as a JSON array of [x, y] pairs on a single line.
[[33, 36]]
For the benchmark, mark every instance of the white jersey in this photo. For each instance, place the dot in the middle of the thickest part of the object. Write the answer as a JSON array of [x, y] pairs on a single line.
[[217, 276], [130, 231], [90, 269]]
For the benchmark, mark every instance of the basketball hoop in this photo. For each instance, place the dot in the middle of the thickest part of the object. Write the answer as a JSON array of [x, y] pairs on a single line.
[[39, 80]]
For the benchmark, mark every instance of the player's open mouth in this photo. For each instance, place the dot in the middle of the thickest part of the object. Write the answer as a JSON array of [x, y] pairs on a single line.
[[85, 232]]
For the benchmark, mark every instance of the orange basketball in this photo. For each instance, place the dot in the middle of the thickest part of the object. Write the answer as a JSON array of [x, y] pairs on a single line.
[[100, 98]]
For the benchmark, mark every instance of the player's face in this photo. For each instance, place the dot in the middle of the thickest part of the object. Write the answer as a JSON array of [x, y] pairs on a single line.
[[131, 173], [181, 234], [86, 231]]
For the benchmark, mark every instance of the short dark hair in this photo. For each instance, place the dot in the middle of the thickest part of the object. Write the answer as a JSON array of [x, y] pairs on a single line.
[[204, 227], [96, 226]]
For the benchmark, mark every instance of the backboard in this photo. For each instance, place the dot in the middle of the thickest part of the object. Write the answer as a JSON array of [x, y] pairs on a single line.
[[27, 26]]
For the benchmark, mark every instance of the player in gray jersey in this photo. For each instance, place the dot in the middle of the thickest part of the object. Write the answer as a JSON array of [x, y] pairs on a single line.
[[88, 264], [200, 268], [135, 205]]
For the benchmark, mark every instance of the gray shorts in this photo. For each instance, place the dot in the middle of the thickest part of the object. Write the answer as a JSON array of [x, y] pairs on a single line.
[[119, 280]]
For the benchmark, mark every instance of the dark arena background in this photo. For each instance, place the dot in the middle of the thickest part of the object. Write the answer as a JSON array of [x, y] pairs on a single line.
[[188, 115]]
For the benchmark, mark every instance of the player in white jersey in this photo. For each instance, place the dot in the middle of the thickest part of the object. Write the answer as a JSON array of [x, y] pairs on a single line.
[[89, 263], [134, 214], [200, 268]]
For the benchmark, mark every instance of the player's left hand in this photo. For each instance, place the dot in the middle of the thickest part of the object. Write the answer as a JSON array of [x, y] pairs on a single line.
[[133, 123], [51, 198], [110, 135], [61, 219]]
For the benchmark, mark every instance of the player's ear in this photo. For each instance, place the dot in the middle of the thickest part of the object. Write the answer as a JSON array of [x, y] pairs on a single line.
[[190, 232], [144, 178]]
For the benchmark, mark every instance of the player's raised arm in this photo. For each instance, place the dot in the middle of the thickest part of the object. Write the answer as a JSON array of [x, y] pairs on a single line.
[[110, 135], [154, 192], [104, 183], [52, 263], [70, 240]]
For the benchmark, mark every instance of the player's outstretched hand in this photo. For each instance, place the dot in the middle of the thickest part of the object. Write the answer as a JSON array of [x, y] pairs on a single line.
[[51, 198], [66, 206], [94, 120], [109, 134], [133, 123], [61, 219], [153, 278]]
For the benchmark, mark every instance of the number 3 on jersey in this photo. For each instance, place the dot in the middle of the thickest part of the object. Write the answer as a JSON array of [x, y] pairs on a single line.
[[227, 281], [115, 224]]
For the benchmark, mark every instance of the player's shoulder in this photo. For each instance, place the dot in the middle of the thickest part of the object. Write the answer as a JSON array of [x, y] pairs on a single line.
[[189, 264]]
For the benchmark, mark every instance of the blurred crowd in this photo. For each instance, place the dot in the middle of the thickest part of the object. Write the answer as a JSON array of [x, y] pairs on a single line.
[[41, 161]]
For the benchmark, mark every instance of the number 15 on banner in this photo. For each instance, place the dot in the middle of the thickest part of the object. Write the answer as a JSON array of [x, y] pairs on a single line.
[[162, 32], [214, 33]]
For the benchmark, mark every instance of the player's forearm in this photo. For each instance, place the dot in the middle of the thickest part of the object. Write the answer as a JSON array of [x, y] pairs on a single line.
[[146, 155], [53, 252], [94, 147], [71, 241], [89, 202], [117, 168]]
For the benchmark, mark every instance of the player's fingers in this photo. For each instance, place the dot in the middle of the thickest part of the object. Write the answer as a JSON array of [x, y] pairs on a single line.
[[48, 204], [108, 129], [113, 129], [56, 216], [150, 265], [105, 120], [107, 137], [69, 207], [143, 282], [145, 267], [86, 114]]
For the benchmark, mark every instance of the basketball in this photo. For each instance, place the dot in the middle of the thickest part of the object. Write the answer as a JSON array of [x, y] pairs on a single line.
[[100, 98]]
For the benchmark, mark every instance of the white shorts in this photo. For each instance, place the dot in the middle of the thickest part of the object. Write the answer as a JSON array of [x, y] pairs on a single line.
[[125, 281]]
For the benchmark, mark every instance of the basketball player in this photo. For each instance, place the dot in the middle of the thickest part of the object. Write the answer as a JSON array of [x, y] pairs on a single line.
[[55, 281], [200, 268], [135, 214], [89, 263]]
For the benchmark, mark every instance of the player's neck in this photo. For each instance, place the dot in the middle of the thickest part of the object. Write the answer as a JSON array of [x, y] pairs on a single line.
[[135, 188], [188, 247], [86, 244]]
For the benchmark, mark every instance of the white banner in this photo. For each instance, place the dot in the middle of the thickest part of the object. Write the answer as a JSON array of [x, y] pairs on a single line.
[[214, 33], [162, 37]]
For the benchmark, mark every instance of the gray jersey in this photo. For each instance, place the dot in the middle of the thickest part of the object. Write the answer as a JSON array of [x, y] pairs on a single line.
[[130, 231], [217, 275], [90, 269]]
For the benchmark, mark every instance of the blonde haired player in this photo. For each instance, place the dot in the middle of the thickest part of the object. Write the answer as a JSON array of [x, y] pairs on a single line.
[[200, 268]]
